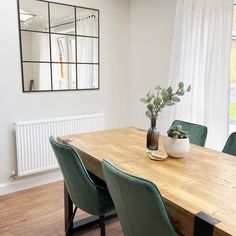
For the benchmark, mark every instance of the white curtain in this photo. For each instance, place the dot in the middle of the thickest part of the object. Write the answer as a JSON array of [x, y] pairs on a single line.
[[201, 57], [44, 82], [87, 52]]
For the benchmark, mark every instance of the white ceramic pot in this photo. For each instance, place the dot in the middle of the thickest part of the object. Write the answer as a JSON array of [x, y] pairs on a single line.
[[176, 148]]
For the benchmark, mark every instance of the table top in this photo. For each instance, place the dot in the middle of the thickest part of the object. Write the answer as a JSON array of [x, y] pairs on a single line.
[[205, 180]]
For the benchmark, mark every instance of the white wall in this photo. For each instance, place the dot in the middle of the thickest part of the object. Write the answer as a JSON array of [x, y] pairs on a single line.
[[135, 45], [111, 99], [151, 33]]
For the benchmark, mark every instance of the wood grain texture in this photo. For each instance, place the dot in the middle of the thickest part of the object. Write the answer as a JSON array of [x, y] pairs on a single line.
[[203, 181], [40, 212]]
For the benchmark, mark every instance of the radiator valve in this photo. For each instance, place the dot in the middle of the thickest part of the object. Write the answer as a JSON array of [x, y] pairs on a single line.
[[13, 175]]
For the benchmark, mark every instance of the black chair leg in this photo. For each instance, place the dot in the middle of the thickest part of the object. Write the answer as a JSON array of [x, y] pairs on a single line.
[[71, 222], [102, 225]]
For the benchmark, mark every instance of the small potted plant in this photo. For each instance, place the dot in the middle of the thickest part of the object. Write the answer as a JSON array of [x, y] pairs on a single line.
[[176, 143]]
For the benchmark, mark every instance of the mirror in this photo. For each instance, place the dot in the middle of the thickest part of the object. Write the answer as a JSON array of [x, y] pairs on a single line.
[[59, 46]]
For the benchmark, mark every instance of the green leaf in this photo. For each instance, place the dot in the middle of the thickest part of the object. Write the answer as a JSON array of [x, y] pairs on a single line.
[[143, 100], [181, 85], [147, 95], [148, 114], [170, 103], [150, 97], [181, 92], [170, 90], [157, 101], [189, 88], [175, 99], [150, 107], [164, 94]]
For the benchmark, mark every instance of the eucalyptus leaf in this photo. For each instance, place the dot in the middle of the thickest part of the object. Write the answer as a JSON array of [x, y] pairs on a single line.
[[170, 103], [181, 92], [150, 107], [150, 97], [143, 100], [181, 85], [157, 101], [189, 88], [170, 90], [175, 99], [164, 94], [148, 114]]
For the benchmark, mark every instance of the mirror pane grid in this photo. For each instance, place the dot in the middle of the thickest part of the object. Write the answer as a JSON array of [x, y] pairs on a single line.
[[59, 46]]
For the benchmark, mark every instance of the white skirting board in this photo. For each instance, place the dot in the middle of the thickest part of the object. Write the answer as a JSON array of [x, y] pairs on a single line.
[[30, 182]]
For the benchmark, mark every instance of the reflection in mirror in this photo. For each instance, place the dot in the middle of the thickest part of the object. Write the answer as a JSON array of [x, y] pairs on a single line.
[[87, 50], [64, 76], [35, 46], [62, 19], [33, 15], [63, 48], [87, 76], [36, 76], [87, 22]]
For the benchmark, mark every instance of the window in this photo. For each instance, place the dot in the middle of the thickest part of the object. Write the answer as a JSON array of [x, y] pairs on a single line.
[[232, 105]]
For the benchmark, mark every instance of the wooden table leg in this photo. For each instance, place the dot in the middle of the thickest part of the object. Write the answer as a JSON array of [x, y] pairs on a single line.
[[68, 209]]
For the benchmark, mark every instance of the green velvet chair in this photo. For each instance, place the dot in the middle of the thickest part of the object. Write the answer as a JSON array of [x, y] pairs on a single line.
[[138, 203], [84, 193], [198, 133], [230, 146]]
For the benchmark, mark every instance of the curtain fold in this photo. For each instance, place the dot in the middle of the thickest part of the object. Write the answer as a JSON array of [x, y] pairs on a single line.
[[87, 52], [201, 57]]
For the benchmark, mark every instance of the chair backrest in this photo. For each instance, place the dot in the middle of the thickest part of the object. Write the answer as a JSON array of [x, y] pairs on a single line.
[[198, 133], [81, 188], [230, 146], [138, 203]]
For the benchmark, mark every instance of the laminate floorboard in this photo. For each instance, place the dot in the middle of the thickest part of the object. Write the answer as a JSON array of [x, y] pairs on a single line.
[[40, 212]]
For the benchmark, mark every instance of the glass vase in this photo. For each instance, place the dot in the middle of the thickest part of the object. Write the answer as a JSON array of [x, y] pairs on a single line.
[[152, 136]]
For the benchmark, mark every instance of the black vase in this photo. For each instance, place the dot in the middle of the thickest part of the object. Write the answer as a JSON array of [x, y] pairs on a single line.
[[152, 136]]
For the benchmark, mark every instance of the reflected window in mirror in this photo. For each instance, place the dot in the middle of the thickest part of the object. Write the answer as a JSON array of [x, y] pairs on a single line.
[[59, 46]]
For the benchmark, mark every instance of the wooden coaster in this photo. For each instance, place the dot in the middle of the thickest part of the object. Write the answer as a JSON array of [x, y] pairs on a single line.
[[157, 155]]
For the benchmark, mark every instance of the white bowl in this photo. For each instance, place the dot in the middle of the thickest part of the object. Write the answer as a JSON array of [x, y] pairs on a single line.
[[176, 148]]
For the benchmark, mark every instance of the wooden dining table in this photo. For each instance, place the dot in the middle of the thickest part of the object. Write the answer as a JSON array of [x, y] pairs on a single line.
[[199, 190]]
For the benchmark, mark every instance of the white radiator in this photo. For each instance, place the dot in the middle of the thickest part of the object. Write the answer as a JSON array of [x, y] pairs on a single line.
[[34, 153]]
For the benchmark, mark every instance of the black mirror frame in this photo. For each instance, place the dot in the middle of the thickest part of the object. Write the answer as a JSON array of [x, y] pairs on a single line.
[[51, 62]]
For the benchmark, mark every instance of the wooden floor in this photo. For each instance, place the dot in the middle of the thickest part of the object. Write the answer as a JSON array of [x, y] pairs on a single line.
[[40, 211]]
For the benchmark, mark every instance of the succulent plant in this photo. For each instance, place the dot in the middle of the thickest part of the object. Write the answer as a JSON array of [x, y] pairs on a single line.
[[177, 132], [155, 102]]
